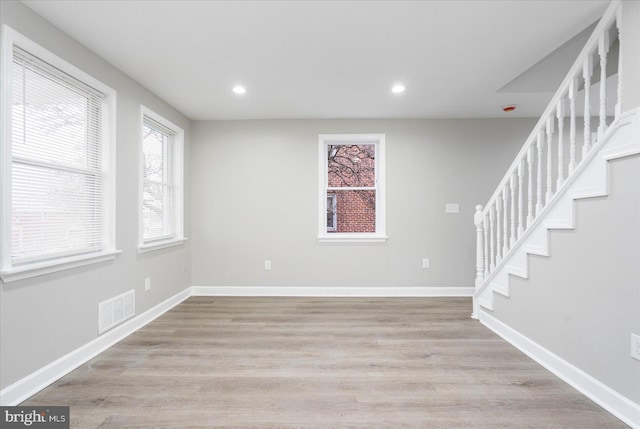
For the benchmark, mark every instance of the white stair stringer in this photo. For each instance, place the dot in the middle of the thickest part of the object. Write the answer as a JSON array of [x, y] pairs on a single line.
[[591, 179]]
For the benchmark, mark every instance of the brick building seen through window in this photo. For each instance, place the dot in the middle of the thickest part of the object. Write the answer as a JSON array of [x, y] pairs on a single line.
[[351, 194]]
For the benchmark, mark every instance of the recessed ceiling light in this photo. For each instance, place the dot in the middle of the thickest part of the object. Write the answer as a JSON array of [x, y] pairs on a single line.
[[238, 89], [398, 88]]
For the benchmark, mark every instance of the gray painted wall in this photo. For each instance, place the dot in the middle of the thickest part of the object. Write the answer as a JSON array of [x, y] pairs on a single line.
[[257, 198], [630, 58], [583, 302], [44, 318]]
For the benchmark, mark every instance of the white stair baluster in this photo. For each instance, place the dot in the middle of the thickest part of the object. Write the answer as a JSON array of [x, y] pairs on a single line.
[[587, 69], [603, 51], [539, 145], [492, 241], [520, 198], [560, 116], [530, 186], [485, 224], [549, 130], [619, 91], [512, 185], [573, 88], [498, 229], [505, 220]]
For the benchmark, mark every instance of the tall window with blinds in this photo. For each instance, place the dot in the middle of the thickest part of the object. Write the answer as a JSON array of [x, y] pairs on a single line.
[[161, 203], [57, 163]]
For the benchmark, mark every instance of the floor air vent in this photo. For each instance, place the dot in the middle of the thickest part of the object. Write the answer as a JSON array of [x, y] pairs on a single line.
[[116, 310]]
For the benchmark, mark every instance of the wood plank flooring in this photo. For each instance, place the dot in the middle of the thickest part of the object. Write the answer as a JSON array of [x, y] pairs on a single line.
[[222, 362]]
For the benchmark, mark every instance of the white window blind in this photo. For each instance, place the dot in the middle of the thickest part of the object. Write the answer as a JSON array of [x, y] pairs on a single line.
[[57, 180], [159, 182]]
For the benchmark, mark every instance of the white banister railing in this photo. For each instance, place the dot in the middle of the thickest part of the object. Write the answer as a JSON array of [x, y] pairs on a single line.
[[546, 161]]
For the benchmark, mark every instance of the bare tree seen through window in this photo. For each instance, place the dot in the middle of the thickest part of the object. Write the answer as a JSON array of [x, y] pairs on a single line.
[[351, 179]]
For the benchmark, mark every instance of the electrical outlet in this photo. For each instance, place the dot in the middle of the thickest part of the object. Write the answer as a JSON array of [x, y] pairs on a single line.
[[184, 265], [267, 265], [635, 346], [425, 262], [147, 283]]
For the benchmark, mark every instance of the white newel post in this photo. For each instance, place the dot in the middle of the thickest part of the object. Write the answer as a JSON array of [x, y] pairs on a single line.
[[479, 221]]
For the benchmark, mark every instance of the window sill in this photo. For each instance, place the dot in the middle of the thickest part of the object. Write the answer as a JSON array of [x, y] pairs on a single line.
[[42, 268], [162, 244], [352, 238]]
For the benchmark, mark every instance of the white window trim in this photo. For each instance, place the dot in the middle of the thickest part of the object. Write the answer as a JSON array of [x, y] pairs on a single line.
[[178, 238], [8, 272], [381, 224]]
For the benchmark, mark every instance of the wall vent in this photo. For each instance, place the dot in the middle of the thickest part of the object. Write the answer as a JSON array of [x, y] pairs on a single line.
[[116, 310]]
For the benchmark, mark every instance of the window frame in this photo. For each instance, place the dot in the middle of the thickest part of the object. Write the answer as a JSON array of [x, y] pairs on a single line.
[[378, 140], [9, 271], [177, 238]]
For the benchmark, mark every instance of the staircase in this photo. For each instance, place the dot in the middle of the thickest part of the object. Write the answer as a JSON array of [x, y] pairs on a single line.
[[589, 180], [565, 158]]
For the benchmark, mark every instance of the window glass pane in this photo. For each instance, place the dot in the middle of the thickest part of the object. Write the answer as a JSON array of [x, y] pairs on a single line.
[[154, 148], [158, 199], [53, 212], [351, 165], [48, 110], [355, 211], [331, 213], [154, 209], [56, 163]]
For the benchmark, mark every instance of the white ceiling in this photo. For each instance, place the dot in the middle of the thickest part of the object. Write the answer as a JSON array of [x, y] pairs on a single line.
[[332, 59]]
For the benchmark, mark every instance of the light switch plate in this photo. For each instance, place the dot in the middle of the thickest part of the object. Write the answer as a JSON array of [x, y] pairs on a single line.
[[452, 208]]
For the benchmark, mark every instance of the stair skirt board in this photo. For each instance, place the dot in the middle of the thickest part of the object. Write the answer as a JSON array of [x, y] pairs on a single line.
[[615, 403]]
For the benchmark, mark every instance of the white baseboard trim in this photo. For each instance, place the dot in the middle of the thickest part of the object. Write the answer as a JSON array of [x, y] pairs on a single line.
[[38, 380], [328, 291], [618, 405]]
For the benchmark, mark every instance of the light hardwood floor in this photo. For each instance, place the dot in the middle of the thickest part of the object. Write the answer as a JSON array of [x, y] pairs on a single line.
[[370, 363]]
